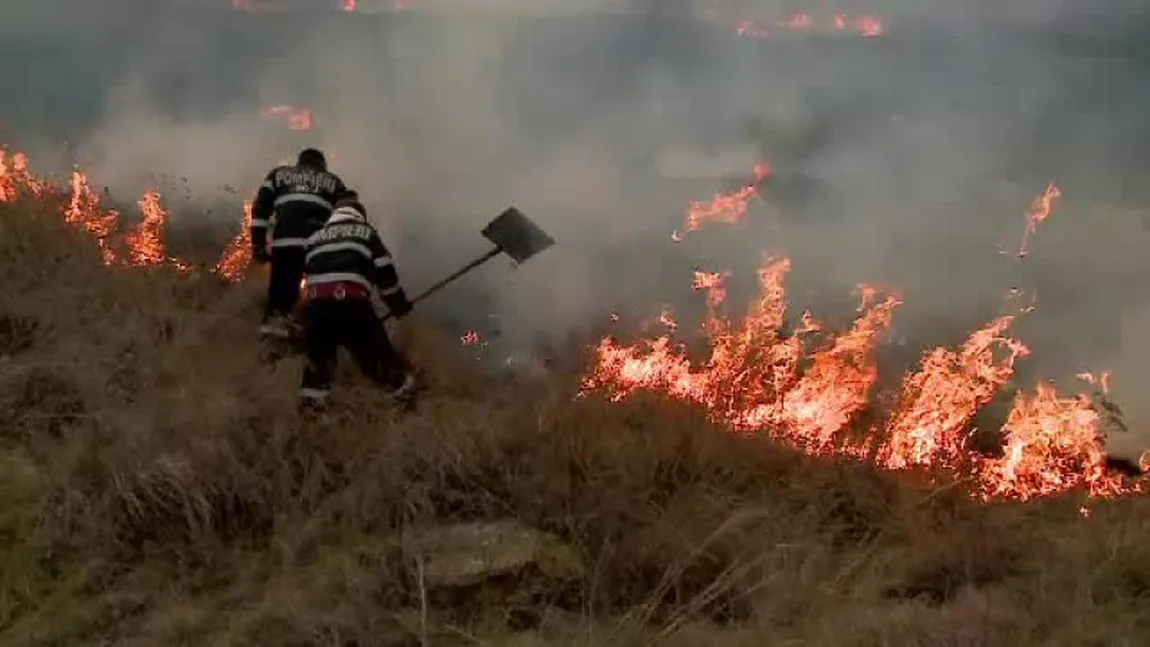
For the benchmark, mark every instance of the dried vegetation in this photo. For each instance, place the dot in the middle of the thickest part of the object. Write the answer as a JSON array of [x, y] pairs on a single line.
[[158, 488]]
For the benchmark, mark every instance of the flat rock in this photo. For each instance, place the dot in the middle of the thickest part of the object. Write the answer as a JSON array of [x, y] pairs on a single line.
[[466, 554]]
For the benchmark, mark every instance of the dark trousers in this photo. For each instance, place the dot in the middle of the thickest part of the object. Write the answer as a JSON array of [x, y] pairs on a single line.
[[287, 268], [353, 324]]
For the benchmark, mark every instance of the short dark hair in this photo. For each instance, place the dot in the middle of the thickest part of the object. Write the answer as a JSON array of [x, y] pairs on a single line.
[[312, 157]]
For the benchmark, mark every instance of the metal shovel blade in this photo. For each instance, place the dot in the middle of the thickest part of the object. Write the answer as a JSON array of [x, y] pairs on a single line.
[[518, 237]]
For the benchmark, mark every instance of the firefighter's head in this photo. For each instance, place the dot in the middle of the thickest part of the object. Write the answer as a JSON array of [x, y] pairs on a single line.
[[349, 204], [312, 158]]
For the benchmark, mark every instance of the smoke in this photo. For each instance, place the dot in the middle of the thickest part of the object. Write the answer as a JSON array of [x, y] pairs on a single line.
[[906, 160]]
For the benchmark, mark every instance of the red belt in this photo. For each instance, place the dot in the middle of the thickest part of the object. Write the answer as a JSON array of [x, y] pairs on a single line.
[[337, 290]]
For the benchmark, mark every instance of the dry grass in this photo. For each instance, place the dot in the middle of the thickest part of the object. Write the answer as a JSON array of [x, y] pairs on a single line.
[[158, 489]]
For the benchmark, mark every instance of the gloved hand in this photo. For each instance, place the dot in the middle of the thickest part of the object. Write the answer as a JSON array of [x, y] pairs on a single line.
[[260, 255], [399, 305]]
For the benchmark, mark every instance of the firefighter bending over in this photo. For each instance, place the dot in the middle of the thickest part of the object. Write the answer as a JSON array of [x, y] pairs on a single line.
[[295, 201], [347, 266]]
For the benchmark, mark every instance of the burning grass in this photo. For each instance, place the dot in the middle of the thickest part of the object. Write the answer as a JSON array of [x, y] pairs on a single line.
[[158, 487]]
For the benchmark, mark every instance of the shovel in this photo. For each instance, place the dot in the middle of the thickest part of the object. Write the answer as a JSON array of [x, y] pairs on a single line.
[[512, 233]]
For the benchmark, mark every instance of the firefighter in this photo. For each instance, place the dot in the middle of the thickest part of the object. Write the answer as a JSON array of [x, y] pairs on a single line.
[[295, 201], [350, 274]]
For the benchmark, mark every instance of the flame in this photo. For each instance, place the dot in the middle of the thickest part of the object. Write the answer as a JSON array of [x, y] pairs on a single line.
[[141, 246], [867, 25], [145, 245], [1052, 444], [932, 424], [712, 282], [15, 177], [797, 21], [724, 207], [9, 184], [1039, 211], [1102, 380], [470, 338], [836, 386], [237, 256], [808, 389], [84, 210], [297, 118], [145, 242], [752, 380]]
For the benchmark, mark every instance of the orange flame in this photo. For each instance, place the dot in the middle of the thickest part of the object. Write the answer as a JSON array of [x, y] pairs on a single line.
[[752, 380], [84, 210], [712, 282], [1039, 211], [297, 118], [15, 177], [237, 256], [869, 25], [724, 207], [1052, 444], [836, 385], [932, 424], [145, 244], [1102, 380], [810, 395]]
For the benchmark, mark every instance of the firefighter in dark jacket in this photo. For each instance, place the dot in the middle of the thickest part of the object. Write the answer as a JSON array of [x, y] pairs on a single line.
[[349, 271], [294, 202]]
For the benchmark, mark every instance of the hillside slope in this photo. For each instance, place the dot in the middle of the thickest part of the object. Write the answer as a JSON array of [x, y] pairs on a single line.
[[158, 488]]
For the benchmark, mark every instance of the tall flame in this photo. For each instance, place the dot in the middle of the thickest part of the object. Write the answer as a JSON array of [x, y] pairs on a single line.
[[237, 257], [808, 387]]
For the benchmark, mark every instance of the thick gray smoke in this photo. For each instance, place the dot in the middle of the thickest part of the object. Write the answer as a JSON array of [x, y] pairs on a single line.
[[906, 160]]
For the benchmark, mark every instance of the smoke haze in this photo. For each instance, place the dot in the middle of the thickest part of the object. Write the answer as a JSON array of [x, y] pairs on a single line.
[[906, 160]]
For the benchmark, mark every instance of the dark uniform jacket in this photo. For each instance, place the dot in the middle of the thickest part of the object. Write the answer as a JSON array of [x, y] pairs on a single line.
[[348, 249], [299, 198]]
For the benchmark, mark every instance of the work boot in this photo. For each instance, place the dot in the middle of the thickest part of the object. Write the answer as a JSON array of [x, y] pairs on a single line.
[[313, 403], [276, 326], [400, 385], [281, 327]]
